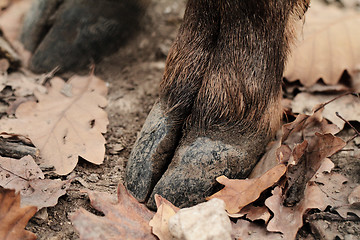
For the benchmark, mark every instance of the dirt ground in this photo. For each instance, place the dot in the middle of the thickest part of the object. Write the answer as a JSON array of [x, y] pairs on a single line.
[[133, 75]]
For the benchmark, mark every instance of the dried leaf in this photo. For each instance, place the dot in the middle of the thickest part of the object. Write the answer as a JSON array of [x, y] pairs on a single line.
[[65, 124], [245, 230], [239, 193], [27, 178], [124, 219], [270, 159], [329, 44], [160, 221], [13, 218], [24, 85], [326, 167], [348, 106], [337, 190], [302, 128], [256, 213], [288, 220], [354, 197]]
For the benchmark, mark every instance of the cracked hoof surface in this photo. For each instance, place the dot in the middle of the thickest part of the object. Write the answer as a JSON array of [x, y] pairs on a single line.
[[183, 169]]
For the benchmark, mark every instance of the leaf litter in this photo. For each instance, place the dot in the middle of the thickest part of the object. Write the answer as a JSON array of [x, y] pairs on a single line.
[[124, 217], [25, 176], [13, 217], [285, 151], [64, 123], [329, 44]]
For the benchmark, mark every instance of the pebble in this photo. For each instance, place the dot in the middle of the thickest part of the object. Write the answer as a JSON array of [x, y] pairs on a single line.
[[205, 221], [93, 178]]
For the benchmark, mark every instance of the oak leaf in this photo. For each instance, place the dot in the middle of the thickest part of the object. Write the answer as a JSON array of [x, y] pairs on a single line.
[[329, 44], [24, 85], [354, 197], [288, 220], [338, 192], [125, 218], [160, 222], [65, 123], [25, 176], [239, 193], [253, 213], [13, 218]]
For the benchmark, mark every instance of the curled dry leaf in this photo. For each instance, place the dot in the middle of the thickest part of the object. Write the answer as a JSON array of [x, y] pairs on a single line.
[[65, 123], [125, 218], [320, 147], [26, 177], [347, 106], [14, 218], [160, 222], [239, 193], [253, 213], [288, 220], [302, 128], [329, 44]]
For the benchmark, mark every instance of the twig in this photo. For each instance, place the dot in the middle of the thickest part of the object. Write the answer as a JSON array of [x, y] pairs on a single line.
[[322, 106], [331, 217], [346, 121], [16, 150]]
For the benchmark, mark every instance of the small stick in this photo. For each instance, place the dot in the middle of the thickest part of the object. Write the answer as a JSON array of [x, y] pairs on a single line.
[[16, 150], [331, 217], [323, 105], [346, 121]]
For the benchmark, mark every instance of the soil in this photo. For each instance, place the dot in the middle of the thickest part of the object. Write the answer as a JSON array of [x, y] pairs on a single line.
[[133, 75]]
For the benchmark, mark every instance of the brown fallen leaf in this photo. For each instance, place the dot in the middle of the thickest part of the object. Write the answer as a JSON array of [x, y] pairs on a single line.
[[160, 222], [320, 147], [125, 218], [24, 85], [256, 213], [354, 197], [337, 191], [348, 106], [302, 128], [65, 123], [239, 193], [329, 44], [288, 220], [25, 176], [14, 218]]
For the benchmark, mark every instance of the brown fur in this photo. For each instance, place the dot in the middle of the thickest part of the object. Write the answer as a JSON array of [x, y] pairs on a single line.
[[225, 68]]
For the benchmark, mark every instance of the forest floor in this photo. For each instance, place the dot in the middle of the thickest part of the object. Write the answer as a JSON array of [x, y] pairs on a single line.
[[133, 75]]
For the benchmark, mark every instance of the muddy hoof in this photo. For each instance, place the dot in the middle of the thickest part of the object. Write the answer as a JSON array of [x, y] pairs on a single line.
[[71, 34], [184, 171]]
